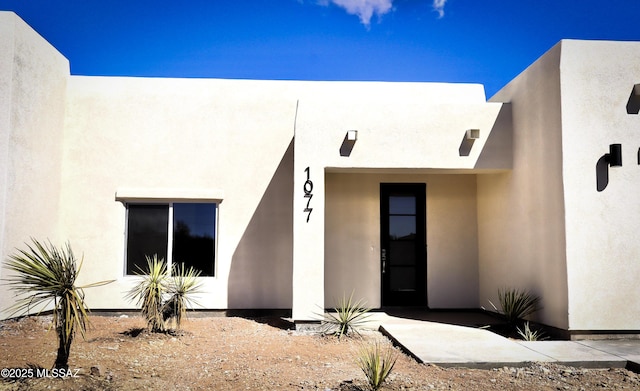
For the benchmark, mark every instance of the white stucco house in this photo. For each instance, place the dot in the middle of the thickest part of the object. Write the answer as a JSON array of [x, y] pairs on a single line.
[[289, 194]]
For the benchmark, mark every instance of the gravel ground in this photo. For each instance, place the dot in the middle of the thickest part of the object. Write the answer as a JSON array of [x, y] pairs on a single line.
[[220, 353]]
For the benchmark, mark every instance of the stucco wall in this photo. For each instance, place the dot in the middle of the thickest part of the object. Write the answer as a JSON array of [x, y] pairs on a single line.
[[183, 136], [33, 77], [352, 237], [521, 213], [603, 250], [567, 108], [262, 262], [401, 126], [394, 131]]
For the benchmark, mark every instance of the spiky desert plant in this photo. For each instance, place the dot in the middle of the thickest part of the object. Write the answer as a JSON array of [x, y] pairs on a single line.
[[516, 304], [528, 334], [346, 317], [182, 286], [149, 292], [44, 275], [376, 362]]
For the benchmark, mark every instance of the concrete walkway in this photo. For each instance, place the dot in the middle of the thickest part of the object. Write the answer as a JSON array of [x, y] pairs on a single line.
[[451, 345]]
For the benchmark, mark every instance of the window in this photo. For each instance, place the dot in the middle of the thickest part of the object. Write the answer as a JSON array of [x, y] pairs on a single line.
[[178, 232]]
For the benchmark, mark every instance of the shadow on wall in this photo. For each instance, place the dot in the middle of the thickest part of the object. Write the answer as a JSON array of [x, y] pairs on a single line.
[[498, 149], [469, 138], [347, 145], [262, 266], [633, 104], [602, 173]]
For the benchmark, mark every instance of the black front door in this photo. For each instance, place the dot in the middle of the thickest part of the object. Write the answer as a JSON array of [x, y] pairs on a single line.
[[403, 244]]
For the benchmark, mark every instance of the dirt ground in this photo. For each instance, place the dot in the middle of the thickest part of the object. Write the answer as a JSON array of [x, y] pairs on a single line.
[[218, 353]]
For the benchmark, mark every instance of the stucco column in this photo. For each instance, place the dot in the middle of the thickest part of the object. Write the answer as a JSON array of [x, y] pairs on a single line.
[[308, 239]]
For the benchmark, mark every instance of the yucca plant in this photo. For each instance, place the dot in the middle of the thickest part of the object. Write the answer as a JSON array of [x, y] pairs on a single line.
[[149, 292], [182, 286], [156, 285], [528, 334], [516, 304], [376, 362], [349, 316], [46, 275]]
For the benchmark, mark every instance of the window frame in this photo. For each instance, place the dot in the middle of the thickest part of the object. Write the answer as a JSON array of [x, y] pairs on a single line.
[[170, 230]]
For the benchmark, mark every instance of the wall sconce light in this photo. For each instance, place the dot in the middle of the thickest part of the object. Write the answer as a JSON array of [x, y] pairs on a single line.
[[614, 157], [472, 134], [611, 159], [348, 142]]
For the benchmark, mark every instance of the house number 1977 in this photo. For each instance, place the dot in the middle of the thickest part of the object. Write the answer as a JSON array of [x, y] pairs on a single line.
[[308, 188]]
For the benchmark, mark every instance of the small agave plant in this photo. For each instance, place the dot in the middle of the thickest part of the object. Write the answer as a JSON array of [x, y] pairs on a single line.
[[528, 334], [182, 286], [516, 304], [149, 292], [376, 362], [348, 316], [162, 297]]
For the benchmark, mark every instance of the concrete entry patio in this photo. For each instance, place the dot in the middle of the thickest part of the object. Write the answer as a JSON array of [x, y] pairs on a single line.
[[455, 339]]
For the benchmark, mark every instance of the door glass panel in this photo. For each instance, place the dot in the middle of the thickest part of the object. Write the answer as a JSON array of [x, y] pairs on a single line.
[[402, 205], [402, 227], [402, 253], [403, 279]]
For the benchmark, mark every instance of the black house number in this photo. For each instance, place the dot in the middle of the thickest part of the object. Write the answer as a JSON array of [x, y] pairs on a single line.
[[308, 188]]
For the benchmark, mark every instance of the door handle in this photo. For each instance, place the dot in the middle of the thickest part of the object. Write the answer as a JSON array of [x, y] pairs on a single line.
[[384, 260]]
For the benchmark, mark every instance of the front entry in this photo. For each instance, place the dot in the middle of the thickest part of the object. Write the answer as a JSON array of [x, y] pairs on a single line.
[[403, 244]]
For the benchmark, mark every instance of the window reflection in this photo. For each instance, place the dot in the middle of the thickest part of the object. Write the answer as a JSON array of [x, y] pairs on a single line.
[[402, 227], [146, 235], [193, 236], [402, 205]]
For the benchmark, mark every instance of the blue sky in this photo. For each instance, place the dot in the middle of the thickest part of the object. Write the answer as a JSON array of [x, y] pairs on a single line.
[[478, 41]]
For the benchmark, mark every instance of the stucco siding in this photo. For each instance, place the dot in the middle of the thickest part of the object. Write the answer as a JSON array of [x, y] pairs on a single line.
[[33, 77], [352, 237], [168, 135], [401, 128], [7, 42], [603, 249], [521, 213]]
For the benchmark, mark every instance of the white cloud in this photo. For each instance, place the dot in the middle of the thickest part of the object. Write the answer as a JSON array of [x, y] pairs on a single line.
[[438, 6], [364, 9]]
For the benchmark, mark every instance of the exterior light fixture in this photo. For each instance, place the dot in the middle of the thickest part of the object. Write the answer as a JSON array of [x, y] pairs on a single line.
[[472, 134], [611, 159], [352, 135], [348, 142], [614, 157]]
